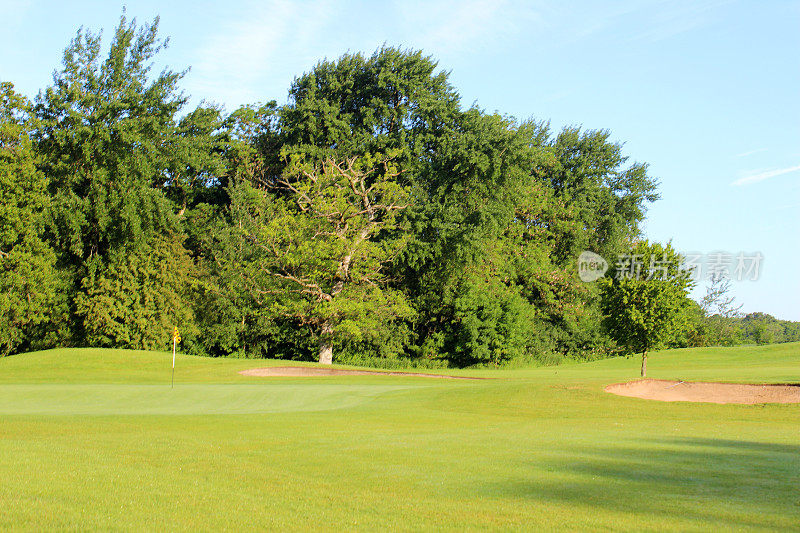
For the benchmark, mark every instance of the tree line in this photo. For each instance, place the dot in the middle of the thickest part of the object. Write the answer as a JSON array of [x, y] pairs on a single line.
[[372, 219]]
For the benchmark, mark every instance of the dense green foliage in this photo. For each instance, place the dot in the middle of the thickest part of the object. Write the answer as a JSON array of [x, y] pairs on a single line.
[[372, 218], [121, 167], [31, 289]]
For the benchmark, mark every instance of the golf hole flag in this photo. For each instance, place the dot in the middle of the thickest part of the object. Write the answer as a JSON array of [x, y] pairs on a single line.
[[176, 338]]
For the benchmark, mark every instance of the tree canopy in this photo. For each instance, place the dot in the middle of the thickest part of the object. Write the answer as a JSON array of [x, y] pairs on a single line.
[[373, 218]]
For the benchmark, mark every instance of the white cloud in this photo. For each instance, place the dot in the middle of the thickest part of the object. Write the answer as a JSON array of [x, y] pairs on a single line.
[[233, 65], [670, 19], [256, 52], [453, 26], [761, 176], [751, 152]]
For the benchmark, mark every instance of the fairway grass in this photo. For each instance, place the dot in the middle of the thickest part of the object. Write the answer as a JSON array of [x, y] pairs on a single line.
[[96, 439]]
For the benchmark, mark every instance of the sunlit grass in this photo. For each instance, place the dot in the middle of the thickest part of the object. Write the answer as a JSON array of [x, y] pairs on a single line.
[[97, 439]]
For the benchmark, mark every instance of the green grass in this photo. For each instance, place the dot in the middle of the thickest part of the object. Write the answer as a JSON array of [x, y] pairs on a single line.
[[96, 439]]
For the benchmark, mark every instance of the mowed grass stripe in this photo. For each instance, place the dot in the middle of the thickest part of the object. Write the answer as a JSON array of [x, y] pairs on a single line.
[[184, 399]]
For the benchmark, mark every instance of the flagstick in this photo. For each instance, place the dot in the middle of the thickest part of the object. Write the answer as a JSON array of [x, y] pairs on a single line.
[[174, 342]]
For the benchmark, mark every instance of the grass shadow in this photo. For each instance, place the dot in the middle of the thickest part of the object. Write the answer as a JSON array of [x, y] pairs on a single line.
[[701, 481]]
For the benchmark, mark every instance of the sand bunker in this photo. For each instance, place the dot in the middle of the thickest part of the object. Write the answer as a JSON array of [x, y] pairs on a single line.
[[306, 371], [691, 391]]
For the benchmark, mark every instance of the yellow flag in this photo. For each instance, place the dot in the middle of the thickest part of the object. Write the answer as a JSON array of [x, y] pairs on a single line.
[[176, 338]]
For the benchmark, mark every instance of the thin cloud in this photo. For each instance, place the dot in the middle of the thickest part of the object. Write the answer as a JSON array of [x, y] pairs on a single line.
[[672, 19], [257, 50], [259, 47], [751, 152], [458, 26], [761, 176]]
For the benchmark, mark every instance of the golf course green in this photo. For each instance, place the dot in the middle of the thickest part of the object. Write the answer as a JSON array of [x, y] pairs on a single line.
[[97, 439]]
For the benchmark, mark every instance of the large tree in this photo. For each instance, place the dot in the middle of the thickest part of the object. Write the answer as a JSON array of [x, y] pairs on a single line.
[[314, 246], [122, 169], [482, 183]]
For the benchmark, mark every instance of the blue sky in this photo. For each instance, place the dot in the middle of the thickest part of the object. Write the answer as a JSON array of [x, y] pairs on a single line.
[[706, 92]]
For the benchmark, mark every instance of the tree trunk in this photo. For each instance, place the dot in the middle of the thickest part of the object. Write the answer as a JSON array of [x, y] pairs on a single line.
[[644, 364], [325, 353], [325, 344]]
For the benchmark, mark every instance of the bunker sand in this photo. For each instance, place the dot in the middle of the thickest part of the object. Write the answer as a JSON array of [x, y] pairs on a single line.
[[305, 371], [689, 391]]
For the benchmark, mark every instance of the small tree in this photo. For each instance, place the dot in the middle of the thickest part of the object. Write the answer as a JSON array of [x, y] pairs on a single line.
[[721, 312], [718, 299], [643, 298]]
